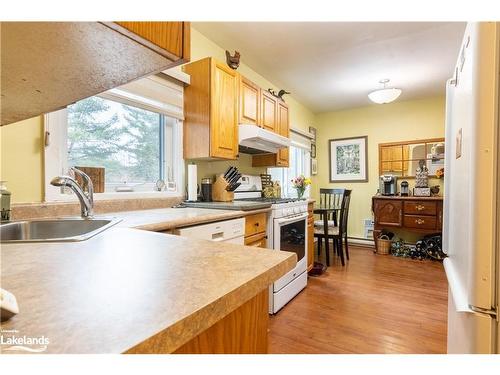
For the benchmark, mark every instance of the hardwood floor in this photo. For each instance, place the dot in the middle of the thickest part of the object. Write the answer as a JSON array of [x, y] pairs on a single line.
[[376, 304]]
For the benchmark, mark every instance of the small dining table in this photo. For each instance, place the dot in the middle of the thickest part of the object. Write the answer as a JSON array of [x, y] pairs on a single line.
[[325, 212]]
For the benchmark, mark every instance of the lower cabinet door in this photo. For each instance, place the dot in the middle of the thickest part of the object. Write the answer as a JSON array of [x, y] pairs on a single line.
[[388, 212]]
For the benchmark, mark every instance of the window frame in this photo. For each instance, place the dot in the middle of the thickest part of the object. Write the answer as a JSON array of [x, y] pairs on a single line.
[[285, 173], [56, 161]]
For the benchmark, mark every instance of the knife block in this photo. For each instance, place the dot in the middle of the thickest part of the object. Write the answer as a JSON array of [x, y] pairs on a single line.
[[219, 192]]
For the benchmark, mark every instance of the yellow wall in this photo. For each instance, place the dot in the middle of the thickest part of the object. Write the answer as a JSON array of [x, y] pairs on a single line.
[[300, 116], [399, 121], [21, 151], [21, 158]]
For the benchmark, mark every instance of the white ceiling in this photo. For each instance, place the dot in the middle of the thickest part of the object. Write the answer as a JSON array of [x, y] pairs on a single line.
[[334, 65]]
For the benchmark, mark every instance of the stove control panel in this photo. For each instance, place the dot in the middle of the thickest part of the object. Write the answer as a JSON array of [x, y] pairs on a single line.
[[289, 209]]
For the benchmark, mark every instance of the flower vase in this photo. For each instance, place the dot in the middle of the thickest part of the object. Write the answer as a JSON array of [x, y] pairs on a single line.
[[300, 193]]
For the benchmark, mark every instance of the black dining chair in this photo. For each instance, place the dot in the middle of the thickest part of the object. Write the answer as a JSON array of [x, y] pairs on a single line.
[[338, 233], [341, 236], [327, 198]]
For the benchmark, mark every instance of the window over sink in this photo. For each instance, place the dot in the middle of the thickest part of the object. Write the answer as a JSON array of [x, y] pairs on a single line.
[[135, 139]]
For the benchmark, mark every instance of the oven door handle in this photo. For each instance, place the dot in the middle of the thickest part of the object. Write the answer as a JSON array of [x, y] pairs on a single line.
[[292, 219]]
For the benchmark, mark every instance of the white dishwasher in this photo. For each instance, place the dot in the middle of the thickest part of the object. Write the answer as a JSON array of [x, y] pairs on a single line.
[[232, 231]]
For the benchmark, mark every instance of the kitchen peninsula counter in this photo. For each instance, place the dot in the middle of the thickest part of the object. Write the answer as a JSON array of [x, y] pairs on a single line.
[[133, 291]]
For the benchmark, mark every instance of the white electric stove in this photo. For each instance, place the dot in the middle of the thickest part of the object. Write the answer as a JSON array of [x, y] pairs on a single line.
[[286, 231]]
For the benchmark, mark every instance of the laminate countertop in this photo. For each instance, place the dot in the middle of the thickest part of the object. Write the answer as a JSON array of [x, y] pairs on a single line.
[[161, 219], [127, 289]]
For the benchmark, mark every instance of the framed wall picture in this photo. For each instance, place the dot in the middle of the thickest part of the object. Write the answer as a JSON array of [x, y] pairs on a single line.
[[348, 159], [314, 167], [312, 131], [313, 150]]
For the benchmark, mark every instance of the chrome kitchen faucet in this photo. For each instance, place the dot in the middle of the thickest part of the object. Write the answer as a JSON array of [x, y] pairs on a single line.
[[84, 193]]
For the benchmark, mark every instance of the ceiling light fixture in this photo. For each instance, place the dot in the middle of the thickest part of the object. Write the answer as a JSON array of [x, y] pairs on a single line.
[[385, 95]]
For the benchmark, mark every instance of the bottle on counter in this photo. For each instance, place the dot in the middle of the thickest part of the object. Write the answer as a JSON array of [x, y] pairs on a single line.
[[4, 202]]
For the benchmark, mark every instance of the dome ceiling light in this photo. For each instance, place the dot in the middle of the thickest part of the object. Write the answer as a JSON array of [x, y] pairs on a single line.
[[385, 95]]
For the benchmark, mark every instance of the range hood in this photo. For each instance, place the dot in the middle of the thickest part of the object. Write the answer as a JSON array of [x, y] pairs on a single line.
[[255, 140]]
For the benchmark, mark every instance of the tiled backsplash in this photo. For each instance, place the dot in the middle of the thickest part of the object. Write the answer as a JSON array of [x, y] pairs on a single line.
[[59, 209]]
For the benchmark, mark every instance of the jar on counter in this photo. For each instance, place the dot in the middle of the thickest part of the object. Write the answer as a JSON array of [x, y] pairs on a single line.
[[4, 202]]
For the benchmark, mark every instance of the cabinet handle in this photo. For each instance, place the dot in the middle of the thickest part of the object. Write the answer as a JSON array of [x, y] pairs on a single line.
[[419, 221], [419, 207], [256, 224]]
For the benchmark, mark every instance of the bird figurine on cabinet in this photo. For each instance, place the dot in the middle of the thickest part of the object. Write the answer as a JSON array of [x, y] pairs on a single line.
[[281, 93], [233, 61]]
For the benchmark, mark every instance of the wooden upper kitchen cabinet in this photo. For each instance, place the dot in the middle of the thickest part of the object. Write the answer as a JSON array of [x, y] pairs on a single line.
[[49, 65], [284, 130], [249, 104], [281, 159], [211, 111], [269, 111], [171, 39]]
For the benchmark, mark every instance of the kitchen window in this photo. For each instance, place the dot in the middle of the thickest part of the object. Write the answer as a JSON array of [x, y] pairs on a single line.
[[299, 164], [135, 138]]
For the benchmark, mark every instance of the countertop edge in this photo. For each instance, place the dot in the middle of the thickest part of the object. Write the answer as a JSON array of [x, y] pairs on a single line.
[[171, 338], [190, 221]]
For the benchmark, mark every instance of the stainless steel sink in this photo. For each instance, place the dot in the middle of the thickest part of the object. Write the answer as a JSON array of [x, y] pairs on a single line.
[[53, 230]]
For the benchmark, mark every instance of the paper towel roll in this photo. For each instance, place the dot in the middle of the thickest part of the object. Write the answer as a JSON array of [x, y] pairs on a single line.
[[192, 182]]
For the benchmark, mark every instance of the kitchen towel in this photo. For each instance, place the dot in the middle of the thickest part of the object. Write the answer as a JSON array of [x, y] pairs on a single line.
[[192, 182]]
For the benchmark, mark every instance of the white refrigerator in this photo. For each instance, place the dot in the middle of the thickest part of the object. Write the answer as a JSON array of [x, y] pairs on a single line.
[[471, 207]]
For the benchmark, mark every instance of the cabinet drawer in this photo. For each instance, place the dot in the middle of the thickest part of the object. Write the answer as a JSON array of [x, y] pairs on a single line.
[[255, 224], [422, 222], [420, 208], [257, 240]]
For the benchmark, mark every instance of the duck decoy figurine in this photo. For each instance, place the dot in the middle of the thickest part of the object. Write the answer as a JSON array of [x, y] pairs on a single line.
[[233, 61]]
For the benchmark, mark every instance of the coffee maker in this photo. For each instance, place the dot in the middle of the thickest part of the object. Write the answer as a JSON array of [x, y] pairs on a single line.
[[404, 190], [388, 184]]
